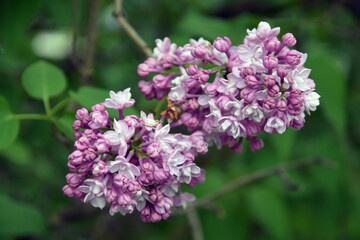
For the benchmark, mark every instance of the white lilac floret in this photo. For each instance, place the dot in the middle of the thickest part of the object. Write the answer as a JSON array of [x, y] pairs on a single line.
[[233, 92], [131, 164]]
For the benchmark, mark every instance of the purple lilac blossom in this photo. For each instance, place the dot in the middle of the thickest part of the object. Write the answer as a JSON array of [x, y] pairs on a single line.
[[230, 92], [134, 163]]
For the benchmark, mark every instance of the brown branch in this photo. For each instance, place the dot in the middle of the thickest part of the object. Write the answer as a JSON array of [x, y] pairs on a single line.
[[195, 225], [90, 51], [130, 31], [259, 175]]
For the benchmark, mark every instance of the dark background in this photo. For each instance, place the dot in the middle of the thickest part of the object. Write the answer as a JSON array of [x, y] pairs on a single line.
[[326, 204]]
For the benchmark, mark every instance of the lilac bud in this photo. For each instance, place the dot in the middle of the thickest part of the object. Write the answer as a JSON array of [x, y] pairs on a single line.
[[83, 115], [72, 167], [270, 62], [297, 123], [281, 105], [134, 187], [99, 169], [146, 89], [189, 120], [233, 61], [143, 70], [102, 145], [73, 179], [90, 134], [248, 94], [90, 154], [282, 72], [193, 104], [143, 179], [124, 200], [68, 191], [155, 195], [111, 195], [202, 77], [166, 61], [201, 147], [78, 194], [251, 81], [288, 40], [121, 180], [269, 80], [151, 62], [273, 44], [191, 83], [293, 57], [84, 167], [160, 175], [256, 144], [273, 91], [211, 89], [197, 136], [246, 71], [77, 134], [199, 51], [147, 167], [222, 45], [155, 217], [238, 147], [189, 156], [145, 212], [132, 121], [98, 107], [76, 157], [192, 70], [77, 125], [269, 103], [222, 101], [252, 129], [99, 119], [160, 82], [153, 150]]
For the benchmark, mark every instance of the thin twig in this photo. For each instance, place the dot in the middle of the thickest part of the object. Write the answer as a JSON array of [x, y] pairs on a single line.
[[259, 175], [74, 23], [195, 224], [130, 31], [91, 43]]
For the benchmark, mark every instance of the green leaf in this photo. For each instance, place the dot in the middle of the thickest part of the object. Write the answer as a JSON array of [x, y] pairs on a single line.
[[18, 153], [194, 24], [18, 219], [283, 144], [330, 84], [9, 126], [268, 209], [43, 80], [64, 124], [89, 96]]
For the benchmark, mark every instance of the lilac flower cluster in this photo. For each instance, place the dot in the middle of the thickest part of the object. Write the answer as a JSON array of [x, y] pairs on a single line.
[[233, 92], [133, 163]]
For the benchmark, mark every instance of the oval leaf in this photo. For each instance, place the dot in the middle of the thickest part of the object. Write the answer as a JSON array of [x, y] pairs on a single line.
[[17, 219], [9, 125], [43, 80], [331, 85], [270, 212]]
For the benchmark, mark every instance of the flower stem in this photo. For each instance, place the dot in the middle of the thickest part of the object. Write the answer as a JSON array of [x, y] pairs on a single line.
[[60, 105], [31, 116]]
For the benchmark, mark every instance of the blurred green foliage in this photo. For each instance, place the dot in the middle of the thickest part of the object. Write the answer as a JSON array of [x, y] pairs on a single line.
[[33, 166]]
